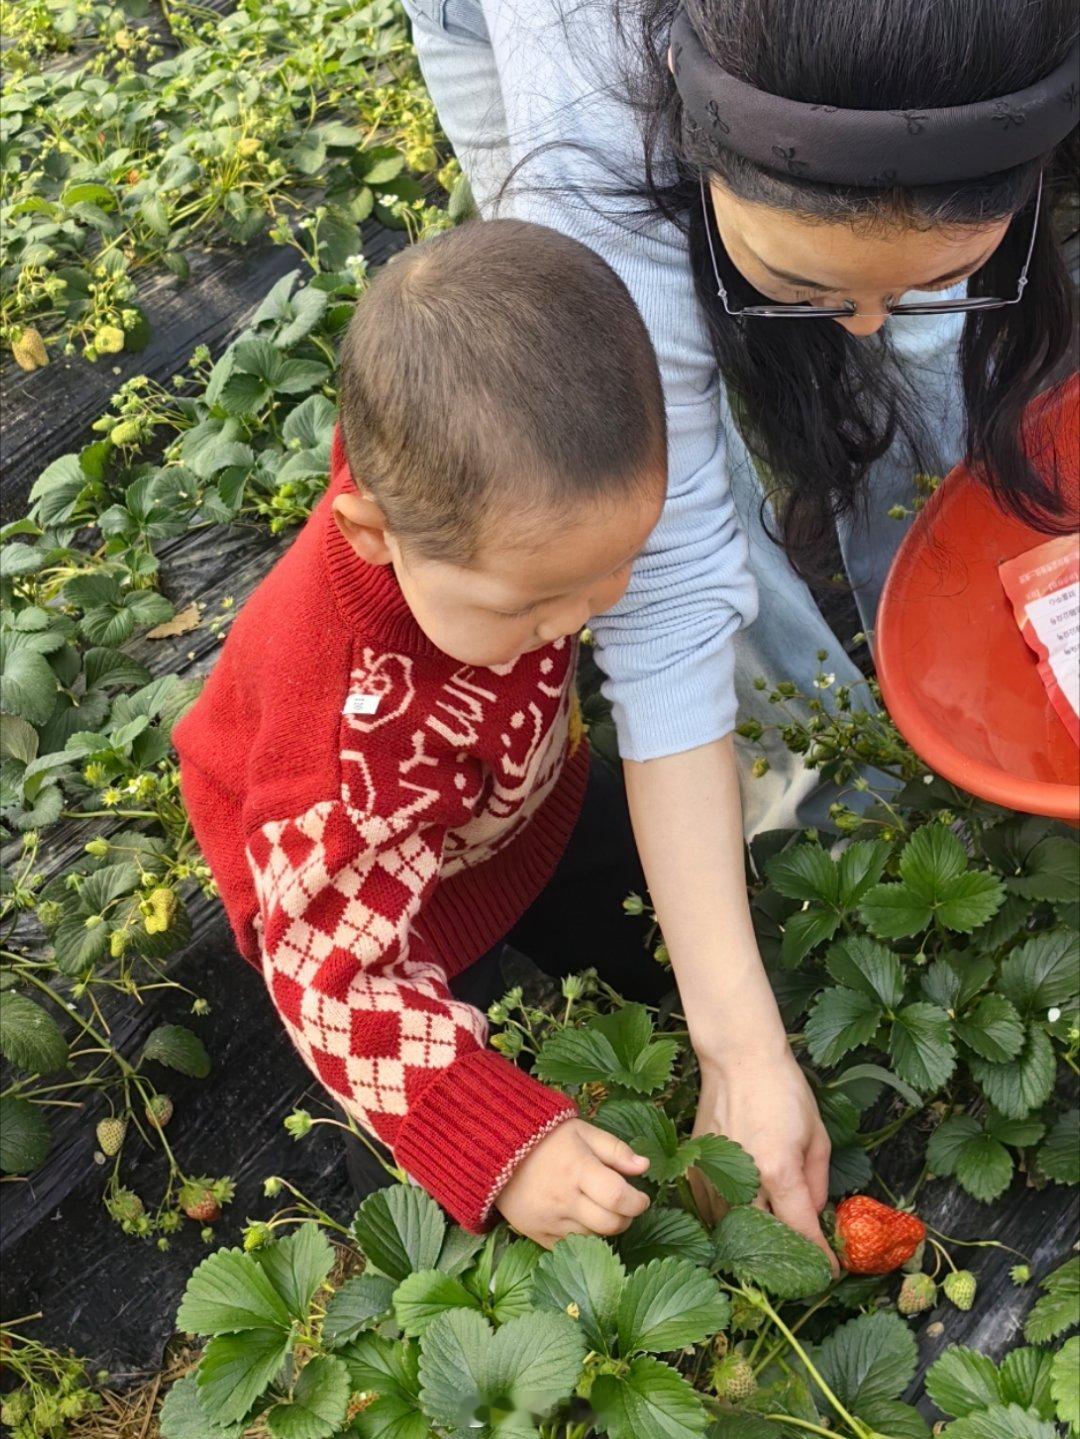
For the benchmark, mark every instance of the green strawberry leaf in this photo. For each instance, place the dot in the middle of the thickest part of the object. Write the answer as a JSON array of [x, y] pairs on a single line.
[[230, 1292], [1001, 1422], [650, 1401], [870, 968], [921, 1046], [891, 911], [861, 865], [525, 1367], [949, 1141], [658, 1233], [400, 1229], [805, 872], [24, 1135], [953, 980], [650, 1133], [179, 1049], [1065, 1383], [296, 1266], [382, 1366], [868, 1359], [984, 1168], [932, 858], [897, 1420], [841, 1020], [1059, 1155], [459, 1250], [727, 1167], [582, 1270], [1024, 1379], [512, 1287], [858, 1076], [761, 1250], [420, 1298], [1018, 1132], [969, 901], [1044, 971], [1058, 1309], [614, 1049], [992, 1028], [962, 1381], [29, 1036], [183, 1416], [1049, 871], [355, 1307], [236, 1368], [319, 1402], [804, 931], [669, 1303], [1024, 1083]]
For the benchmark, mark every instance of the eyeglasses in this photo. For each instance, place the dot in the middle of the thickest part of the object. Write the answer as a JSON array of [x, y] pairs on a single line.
[[848, 310]]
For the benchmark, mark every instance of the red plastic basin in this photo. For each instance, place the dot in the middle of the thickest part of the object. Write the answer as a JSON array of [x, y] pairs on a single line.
[[956, 675]]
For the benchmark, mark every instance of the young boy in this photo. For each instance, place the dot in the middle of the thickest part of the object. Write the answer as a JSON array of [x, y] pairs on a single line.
[[386, 769]]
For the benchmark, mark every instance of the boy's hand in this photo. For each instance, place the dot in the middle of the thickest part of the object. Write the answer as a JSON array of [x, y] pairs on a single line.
[[572, 1183]]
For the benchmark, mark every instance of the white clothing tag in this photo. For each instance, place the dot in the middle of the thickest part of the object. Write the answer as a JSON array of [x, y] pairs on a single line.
[[358, 704]]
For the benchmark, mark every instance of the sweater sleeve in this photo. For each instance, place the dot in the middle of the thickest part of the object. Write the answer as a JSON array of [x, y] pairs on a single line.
[[372, 1014], [666, 648]]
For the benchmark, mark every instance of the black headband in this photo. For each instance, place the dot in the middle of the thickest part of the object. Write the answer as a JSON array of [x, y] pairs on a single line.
[[873, 148]]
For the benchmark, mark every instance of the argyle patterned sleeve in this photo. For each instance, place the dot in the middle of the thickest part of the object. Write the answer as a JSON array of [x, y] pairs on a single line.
[[370, 1010]]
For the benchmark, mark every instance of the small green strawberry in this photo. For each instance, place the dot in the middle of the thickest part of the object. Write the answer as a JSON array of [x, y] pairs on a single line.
[[110, 1134], [733, 1378], [125, 1206], [1020, 1274], [159, 1111], [960, 1287], [746, 1318], [918, 1292]]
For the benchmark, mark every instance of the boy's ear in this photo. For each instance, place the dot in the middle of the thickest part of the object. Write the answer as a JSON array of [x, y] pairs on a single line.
[[363, 525]]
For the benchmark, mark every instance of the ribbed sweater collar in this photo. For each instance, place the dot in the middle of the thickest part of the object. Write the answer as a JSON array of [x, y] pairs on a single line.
[[368, 597]]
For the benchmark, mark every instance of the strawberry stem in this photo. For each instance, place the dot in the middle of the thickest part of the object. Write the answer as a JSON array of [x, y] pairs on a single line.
[[758, 1299]]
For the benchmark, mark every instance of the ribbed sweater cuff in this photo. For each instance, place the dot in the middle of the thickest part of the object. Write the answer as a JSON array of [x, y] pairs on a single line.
[[471, 1127]]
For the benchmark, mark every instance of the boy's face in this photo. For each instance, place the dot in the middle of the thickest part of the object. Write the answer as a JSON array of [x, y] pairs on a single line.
[[545, 580]]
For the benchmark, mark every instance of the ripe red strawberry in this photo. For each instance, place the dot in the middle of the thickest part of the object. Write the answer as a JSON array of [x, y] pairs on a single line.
[[871, 1238]]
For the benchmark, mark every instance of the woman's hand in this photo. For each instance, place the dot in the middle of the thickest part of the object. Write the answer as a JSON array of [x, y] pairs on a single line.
[[573, 1182], [764, 1102]]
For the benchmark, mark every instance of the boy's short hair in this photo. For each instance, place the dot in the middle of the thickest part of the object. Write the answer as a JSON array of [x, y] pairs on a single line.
[[497, 369]]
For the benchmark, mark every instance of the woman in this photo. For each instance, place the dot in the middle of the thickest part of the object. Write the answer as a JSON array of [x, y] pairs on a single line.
[[736, 160]]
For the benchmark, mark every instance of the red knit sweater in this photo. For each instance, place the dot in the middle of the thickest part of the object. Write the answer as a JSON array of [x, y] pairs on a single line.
[[377, 816]]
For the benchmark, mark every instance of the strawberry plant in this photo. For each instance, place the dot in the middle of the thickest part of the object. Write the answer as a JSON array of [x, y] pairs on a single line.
[[217, 128], [673, 1328]]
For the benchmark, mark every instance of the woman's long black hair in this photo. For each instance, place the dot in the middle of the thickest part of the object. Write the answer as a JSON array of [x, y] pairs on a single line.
[[815, 405]]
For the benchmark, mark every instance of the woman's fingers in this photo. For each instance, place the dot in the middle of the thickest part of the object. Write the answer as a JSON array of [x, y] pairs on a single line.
[[817, 1169], [793, 1203]]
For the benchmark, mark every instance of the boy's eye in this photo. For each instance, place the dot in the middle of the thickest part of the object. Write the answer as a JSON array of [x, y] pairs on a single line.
[[515, 614]]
